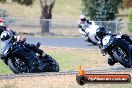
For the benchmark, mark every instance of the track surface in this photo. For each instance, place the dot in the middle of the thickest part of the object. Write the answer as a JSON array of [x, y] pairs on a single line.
[[117, 68], [62, 42]]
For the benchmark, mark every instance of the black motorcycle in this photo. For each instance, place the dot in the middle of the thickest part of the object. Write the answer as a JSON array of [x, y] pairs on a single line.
[[23, 60], [118, 49]]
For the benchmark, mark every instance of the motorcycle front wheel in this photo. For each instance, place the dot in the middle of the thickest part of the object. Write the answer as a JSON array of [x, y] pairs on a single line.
[[52, 66], [17, 66], [89, 40], [121, 57]]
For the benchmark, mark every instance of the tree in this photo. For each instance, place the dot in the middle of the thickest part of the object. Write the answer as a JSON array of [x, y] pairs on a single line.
[[46, 11], [22, 2], [46, 14], [101, 10]]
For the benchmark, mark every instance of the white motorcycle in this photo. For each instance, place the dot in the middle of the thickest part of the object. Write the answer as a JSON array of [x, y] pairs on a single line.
[[90, 33]]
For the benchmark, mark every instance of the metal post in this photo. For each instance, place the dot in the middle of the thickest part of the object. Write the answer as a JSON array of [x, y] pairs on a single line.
[[116, 26]]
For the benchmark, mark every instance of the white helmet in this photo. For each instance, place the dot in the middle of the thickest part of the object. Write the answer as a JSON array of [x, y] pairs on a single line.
[[5, 35], [82, 17]]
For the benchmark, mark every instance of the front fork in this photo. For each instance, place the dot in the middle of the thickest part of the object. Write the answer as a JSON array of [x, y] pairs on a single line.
[[112, 57]]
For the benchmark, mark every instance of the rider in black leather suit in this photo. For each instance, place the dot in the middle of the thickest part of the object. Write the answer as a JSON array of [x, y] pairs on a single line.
[[30, 46], [101, 32]]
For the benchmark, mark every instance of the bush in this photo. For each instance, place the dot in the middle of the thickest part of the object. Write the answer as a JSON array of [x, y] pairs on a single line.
[[25, 2], [22, 2], [3, 1], [101, 10], [130, 20]]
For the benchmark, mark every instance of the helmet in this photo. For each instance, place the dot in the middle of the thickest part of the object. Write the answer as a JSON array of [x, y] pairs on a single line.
[[82, 17], [5, 35], [1, 22], [100, 32], [2, 25]]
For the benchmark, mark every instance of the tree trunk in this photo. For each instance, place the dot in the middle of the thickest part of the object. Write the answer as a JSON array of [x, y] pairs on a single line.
[[46, 14]]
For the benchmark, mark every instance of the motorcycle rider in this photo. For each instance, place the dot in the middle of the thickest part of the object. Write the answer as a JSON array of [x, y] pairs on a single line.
[[101, 32], [6, 34], [83, 24]]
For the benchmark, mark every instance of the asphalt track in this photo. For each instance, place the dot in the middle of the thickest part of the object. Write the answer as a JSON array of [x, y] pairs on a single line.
[[62, 42], [105, 70]]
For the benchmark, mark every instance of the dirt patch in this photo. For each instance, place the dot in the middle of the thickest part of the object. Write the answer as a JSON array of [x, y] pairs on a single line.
[[55, 81], [40, 82]]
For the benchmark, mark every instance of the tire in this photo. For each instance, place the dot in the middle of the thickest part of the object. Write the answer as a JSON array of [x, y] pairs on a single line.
[[13, 67], [120, 59], [89, 40], [86, 38], [94, 43], [52, 66]]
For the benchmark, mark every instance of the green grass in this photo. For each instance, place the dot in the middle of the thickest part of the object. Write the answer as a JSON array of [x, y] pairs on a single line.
[[69, 59], [4, 69]]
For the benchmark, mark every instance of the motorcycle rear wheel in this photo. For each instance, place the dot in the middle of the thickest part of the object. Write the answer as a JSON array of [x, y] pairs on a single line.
[[89, 40], [17, 66]]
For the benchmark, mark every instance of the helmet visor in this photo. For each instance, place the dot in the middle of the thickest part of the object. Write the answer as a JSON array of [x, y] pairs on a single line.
[[83, 19]]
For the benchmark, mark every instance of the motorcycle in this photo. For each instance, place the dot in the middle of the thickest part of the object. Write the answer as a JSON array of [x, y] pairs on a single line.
[[90, 34], [23, 60], [117, 48]]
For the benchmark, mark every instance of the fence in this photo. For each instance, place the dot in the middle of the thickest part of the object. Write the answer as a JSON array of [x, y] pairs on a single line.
[[65, 27]]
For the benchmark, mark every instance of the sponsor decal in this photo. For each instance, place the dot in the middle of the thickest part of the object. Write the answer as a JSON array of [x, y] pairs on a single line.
[[83, 78]]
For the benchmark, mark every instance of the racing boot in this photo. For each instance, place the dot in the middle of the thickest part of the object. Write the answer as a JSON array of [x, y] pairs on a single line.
[[36, 49], [41, 53], [111, 62]]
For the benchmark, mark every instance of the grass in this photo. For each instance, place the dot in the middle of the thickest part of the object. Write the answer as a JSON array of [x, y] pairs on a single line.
[[4, 69], [68, 9], [69, 59], [62, 9]]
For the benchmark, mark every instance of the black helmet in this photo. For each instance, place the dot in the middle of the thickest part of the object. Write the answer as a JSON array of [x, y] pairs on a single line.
[[100, 32]]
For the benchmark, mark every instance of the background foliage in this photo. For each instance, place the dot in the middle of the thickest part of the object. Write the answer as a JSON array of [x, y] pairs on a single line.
[[101, 10], [23, 2]]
